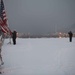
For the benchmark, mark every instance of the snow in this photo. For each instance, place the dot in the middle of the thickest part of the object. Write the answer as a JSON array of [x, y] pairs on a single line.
[[44, 56]]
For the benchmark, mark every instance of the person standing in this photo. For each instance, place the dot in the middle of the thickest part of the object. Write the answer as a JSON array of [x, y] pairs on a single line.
[[14, 35], [70, 36]]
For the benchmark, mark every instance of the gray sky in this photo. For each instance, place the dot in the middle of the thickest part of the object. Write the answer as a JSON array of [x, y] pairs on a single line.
[[41, 16]]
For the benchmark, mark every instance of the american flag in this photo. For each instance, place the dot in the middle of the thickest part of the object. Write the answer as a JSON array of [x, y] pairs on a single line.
[[3, 18]]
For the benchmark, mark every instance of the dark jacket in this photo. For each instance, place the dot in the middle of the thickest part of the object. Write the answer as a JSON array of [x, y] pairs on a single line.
[[70, 34], [14, 34]]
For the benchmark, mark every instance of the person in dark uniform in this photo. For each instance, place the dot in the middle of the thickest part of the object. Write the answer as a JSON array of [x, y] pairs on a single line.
[[70, 36], [14, 35]]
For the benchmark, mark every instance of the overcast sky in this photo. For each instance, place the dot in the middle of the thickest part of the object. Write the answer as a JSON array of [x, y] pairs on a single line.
[[40, 16]]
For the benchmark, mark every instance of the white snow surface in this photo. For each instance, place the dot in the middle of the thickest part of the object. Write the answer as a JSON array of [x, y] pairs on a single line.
[[39, 56]]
